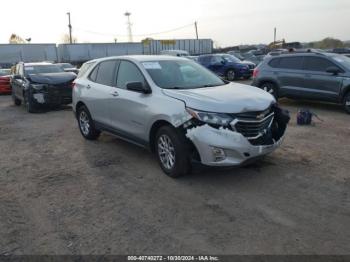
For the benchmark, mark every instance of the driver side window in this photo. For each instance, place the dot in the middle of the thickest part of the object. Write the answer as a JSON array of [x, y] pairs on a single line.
[[127, 73]]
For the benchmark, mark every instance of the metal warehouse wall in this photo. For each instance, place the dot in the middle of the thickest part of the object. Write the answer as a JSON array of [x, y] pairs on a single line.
[[78, 53], [193, 46], [85, 52], [13, 53]]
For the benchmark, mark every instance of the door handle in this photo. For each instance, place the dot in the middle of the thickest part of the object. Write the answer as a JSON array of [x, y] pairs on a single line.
[[115, 93]]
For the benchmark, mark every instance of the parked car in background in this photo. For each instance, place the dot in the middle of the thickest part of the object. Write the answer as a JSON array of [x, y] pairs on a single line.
[[226, 66], [192, 57], [178, 109], [39, 84], [5, 81], [256, 59], [174, 52], [341, 50], [309, 75], [240, 57], [67, 67]]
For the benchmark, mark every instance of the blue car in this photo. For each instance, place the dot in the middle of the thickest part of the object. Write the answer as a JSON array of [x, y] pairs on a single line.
[[226, 66]]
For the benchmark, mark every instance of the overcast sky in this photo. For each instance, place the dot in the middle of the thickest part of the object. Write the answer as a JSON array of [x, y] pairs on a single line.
[[227, 22]]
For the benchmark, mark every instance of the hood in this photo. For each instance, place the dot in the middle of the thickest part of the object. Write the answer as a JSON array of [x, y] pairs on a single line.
[[230, 98], [52, 78]]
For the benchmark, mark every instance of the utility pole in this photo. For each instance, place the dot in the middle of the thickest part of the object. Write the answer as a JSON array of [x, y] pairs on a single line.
[[274, 36], [70, 29], [196, 27], [127, 14]]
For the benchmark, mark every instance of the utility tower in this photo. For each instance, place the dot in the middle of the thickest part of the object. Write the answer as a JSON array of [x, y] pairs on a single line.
[[127, 14]]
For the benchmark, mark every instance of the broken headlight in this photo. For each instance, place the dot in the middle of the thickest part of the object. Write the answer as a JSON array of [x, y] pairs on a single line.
[[217, 119]]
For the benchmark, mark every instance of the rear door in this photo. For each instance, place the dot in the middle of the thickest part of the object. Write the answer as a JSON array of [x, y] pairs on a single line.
[[98, 89], [290, 75], [318, 83]]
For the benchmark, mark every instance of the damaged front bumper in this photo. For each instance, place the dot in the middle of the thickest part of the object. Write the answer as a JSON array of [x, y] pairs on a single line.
[[52, 96], [223, 147], [249, 136]]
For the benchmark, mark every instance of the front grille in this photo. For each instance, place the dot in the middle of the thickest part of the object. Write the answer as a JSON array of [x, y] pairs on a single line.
[[251, 126]]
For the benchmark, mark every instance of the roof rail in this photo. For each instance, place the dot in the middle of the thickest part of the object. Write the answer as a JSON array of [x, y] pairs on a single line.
[[298, 51]]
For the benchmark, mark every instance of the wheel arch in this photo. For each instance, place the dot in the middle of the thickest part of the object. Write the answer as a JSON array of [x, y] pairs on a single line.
[[345, 91]]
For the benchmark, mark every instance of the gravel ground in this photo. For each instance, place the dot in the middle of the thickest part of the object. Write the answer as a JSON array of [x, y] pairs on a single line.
[[61, 194]]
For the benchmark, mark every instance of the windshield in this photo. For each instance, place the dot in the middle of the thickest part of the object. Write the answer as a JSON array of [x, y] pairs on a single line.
[[231, 59], [5, 72], [342, 59], [178, 74], [43, 69]]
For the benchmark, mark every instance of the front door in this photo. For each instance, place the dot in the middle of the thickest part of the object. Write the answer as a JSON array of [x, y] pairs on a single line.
[[128, 110]]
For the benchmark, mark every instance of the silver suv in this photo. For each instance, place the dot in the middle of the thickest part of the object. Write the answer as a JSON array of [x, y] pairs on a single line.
[[178, 109]]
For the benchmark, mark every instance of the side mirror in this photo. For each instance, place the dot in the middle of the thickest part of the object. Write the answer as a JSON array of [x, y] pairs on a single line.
[[333, 70], [138, 87]]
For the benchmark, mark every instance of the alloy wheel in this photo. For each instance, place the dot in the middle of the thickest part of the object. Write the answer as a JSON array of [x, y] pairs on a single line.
[[166, 151], [84, 123], [231, 75], [268, 89]]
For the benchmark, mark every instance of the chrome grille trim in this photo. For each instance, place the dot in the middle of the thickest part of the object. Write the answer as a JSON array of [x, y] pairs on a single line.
[[252, 129]]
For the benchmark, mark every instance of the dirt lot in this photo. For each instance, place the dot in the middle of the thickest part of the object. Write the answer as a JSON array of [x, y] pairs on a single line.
[[60, 194]]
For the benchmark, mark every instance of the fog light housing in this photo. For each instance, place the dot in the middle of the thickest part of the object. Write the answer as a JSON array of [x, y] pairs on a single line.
[[218, 154]]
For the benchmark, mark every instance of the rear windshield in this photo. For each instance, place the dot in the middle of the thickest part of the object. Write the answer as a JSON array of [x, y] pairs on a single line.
[[42, 69]]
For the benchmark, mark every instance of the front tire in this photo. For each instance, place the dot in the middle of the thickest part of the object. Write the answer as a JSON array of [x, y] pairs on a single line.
[[346, 102], [86, 124], [28, 102], [172, 152], [230, 75]]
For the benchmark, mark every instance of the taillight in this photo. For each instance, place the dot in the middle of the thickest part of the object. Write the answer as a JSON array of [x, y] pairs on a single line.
[[72, 85], [255, 72]]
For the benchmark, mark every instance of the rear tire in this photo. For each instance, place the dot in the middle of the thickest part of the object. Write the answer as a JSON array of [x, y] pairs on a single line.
[[346, 102], [270, 88], [172, 152], [86, 124]]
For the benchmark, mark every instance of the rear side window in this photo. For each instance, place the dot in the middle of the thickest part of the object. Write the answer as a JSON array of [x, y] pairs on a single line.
[[290, 63], [317, 64], [93, 74], [105, 74], [274, 62], [127, 73], [84, 68]]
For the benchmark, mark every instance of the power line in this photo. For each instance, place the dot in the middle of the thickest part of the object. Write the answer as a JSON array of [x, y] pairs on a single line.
[[141, 35]]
